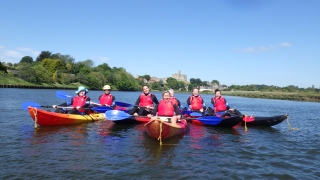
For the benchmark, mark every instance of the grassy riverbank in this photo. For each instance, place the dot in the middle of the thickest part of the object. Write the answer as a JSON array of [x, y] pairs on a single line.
[[14, 82], [298, 96]]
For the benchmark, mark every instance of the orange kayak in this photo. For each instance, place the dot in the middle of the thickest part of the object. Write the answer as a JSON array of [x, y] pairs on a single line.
[[45, 118], [165, 130]]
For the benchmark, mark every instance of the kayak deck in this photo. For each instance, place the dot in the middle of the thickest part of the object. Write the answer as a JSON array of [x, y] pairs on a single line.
[[159, 129], [46, 118]]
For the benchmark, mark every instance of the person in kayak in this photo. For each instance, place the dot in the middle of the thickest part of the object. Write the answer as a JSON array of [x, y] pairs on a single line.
[[80, 103], [166, 108], [220, 105], [106, 99], [144, 103], [173, 99], [195, 101]]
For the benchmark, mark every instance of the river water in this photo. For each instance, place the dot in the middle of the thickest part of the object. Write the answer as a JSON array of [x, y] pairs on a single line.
[[105, 150]]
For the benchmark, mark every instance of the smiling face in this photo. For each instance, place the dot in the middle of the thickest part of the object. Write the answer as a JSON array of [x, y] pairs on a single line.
[[218, 94], [145, 89], [82, 93], [166, 96], [195, 92]]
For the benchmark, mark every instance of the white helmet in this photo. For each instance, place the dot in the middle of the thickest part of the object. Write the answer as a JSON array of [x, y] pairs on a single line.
[[106, 87]]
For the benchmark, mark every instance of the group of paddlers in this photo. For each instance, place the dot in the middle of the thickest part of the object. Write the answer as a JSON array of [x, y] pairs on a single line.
[[147, 103]]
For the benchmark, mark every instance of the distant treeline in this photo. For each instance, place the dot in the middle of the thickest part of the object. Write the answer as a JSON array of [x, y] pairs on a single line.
[[59, 70]]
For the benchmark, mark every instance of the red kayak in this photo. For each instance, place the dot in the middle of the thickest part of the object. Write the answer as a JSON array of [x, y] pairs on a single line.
[[159, 129]]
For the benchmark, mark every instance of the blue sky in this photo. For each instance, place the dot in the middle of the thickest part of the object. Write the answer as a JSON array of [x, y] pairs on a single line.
[[271, 42]]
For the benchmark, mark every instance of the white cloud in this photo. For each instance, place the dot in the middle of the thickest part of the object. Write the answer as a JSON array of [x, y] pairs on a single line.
[[286, 44], [257, 49], [31, 51], [14, 55]]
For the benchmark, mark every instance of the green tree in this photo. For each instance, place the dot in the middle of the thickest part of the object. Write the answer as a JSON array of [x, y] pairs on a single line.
[[147, 77], [53, 65], [43, 75], [155, 86], [104, 67], [3, 68], [43, 55], [26, 59], [27, 73], [172, 83], [195, 81], [215, 82]]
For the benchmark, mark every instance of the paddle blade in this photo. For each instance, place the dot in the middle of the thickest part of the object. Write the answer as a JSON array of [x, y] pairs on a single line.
[[32, 104], [186, 112], [115, 115], [122, 104], [195, 114], [210, 120], [101, 109], [63, 95]]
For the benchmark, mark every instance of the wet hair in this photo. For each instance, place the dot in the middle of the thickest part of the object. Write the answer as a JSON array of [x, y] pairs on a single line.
[[195, 88], [217, 90], [144, 86]]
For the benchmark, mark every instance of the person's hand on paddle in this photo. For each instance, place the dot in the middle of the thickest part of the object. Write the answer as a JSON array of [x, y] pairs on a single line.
[[54, 106], [201, 110], [78, 107], [149, 115]]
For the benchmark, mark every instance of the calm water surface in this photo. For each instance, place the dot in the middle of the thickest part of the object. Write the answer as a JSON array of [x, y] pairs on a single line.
[[105, 150]]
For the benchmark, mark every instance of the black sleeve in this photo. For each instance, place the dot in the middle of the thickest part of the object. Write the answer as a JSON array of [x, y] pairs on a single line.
[[113, 98], [99, 98], [188, 101], [137, 101], [212, 102], [179, 104], [155, 110], [65, 104], [154, 99], [87, 104], [176, 109]]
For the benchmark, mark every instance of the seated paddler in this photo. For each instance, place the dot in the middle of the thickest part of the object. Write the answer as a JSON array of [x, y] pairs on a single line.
[[195, 101], [166, 108], [144, 104], [219, 105], [80, 103]]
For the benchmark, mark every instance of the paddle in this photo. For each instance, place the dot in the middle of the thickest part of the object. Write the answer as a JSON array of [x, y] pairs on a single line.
[[115, 115], [191, 113], [63, 95], [122, 104], [100, 109], [195, 114], [210, 120]]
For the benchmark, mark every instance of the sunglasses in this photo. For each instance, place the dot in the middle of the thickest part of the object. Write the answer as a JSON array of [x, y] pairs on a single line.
[[107, 90]]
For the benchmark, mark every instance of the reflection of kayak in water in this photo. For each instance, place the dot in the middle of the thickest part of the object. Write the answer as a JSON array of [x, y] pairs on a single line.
[[46, 118], [263, 121], [159, 129]]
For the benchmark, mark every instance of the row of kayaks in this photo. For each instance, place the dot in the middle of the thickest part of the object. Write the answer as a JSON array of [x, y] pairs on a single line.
[[157, 129]]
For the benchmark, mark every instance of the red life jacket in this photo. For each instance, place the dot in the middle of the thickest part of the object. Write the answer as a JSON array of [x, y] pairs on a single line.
[[174, 100], [219, 104], [165, 108], [145, 100], [196, 103], [106, 99], [79, 101]]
